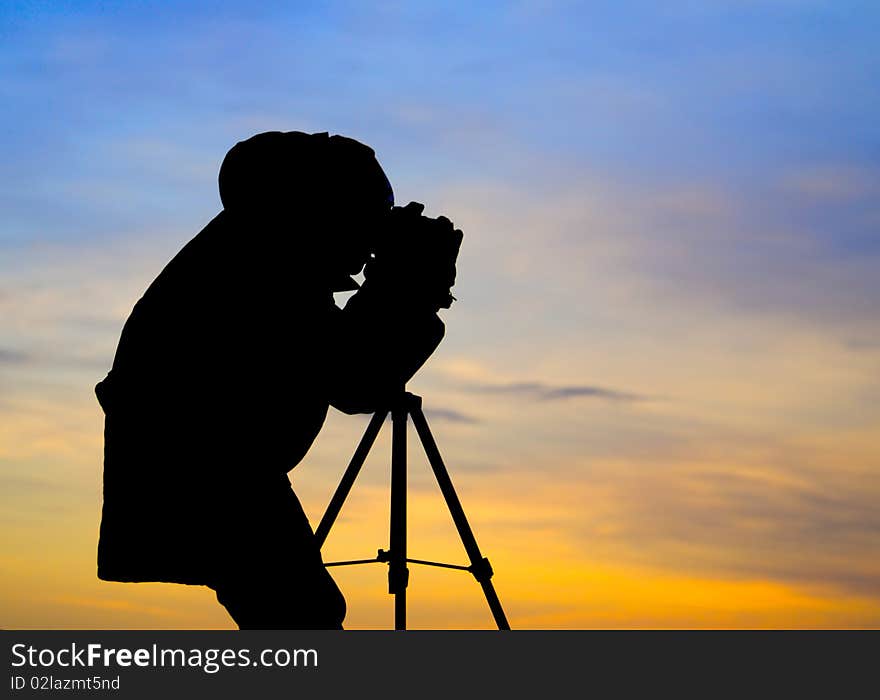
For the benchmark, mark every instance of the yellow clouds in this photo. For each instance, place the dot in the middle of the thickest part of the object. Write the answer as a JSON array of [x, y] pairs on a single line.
[[605, 546], [594, 595]]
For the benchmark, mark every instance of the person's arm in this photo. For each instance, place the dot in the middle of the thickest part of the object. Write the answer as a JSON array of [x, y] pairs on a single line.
[[390, 327], [377, 347]]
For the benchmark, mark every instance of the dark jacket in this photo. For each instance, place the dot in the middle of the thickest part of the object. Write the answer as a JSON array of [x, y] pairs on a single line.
[[221, 381]]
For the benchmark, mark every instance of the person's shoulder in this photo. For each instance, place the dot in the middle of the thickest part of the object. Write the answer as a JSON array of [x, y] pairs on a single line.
[[207, 243], [197, 257]]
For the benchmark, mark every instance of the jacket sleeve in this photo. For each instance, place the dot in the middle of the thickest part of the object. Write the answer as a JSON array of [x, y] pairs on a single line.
[[377, 344]]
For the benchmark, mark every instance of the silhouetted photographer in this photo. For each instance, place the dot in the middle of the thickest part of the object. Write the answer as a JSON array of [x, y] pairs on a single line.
[[227, 365]]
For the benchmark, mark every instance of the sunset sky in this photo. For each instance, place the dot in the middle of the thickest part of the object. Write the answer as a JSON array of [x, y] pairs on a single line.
[[659, 392]]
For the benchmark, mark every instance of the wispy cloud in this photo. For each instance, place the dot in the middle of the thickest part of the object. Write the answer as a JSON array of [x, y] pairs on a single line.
[[841, 183], [451, 415], [13, 357], [550, 392]]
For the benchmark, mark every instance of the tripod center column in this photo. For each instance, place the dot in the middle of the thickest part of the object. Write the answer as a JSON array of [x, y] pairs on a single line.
[[398, 574]]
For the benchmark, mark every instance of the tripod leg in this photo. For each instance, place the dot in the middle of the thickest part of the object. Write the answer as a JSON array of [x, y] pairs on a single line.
[[479, 565], [354, 467], [398, 574]]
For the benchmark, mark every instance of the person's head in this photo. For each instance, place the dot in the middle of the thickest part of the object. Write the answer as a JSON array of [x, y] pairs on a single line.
[[321, 195]]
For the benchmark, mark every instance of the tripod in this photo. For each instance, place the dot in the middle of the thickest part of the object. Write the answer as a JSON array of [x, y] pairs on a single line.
[[409, 405]]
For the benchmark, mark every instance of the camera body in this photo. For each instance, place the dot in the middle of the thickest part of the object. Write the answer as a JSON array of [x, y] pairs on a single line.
[[417, 254]]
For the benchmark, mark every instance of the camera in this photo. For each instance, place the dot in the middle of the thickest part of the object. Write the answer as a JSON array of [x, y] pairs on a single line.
[[417, 254]]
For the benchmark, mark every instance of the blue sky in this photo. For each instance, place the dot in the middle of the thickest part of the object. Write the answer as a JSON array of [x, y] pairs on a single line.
[[736, 92], [668, 286]]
